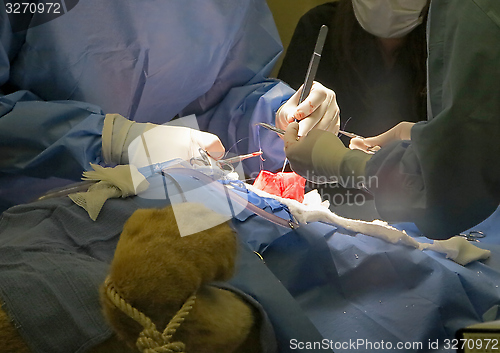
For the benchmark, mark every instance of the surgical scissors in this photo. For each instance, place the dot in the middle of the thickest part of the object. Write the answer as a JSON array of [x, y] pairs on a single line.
[[203, 158], [473, 235]]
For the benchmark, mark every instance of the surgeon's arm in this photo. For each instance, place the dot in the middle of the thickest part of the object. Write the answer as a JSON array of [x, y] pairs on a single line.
[[447, 179], [39, 138], [242, 95]]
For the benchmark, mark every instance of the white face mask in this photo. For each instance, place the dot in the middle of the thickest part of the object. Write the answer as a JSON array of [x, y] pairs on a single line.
[[388, 18]]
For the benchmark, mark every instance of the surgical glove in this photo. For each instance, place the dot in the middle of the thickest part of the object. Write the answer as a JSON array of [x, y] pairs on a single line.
[[125, 141], [401, 131], [120, 181], [319, 111], [321, 157]]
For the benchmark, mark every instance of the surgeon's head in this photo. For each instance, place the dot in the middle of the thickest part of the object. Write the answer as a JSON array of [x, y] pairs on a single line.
[[368, 33], [389, 18]]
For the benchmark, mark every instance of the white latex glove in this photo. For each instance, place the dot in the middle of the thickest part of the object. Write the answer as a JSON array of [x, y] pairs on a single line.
[[319, 111], [401, 131], [164, 143], [128, 142]]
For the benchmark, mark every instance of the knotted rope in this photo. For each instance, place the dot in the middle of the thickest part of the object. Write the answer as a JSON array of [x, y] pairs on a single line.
[[150, 339]]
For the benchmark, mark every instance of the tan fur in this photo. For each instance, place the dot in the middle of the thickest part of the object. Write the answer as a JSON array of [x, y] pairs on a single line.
[[10, 340], [156, 270], [167, 268]]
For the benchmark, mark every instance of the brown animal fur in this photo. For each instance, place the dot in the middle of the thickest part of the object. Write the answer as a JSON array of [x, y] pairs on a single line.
[[10, 341], [155, 270]]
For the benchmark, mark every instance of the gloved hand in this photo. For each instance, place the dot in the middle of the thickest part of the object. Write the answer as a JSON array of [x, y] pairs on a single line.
[[321, 157], [122, 142], [401, 131], [319, 111]]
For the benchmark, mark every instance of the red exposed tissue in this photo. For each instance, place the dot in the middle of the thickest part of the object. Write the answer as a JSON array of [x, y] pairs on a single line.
[[286, 185]]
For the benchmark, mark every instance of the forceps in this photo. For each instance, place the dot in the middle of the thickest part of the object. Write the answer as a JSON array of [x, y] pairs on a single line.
[[281, 132]]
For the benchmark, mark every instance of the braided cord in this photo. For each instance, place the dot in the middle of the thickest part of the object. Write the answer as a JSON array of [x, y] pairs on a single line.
[[150, 340]]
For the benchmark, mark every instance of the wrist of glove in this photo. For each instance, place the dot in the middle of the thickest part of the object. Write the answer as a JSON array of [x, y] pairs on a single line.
[[321, 157], [117, 134]]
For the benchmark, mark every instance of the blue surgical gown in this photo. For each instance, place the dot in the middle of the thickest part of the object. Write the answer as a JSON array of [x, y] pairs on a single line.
[[146, 60]]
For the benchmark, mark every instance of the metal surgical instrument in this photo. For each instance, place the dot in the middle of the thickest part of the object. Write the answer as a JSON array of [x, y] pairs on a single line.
[[240, 158], [314, 63], [281, 132], [203, 158], [473, 235], [225, 164]]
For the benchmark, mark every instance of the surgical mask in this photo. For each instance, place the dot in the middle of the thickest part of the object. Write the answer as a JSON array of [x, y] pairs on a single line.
[[388, 18]]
